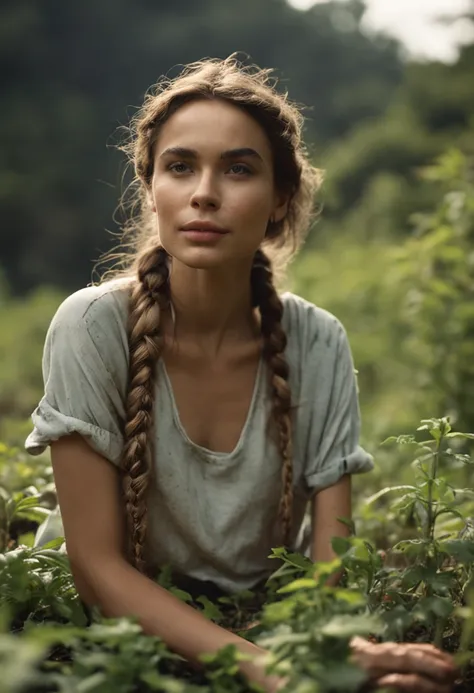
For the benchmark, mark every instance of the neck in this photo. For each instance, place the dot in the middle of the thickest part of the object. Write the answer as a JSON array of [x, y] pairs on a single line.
[[212, 307]]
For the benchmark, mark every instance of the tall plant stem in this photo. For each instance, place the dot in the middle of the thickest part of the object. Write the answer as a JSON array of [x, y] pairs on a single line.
[[431, 520]]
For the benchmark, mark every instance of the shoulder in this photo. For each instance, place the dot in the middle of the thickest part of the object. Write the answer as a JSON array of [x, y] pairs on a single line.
[[308, 325], [91, 326], [94, 308]]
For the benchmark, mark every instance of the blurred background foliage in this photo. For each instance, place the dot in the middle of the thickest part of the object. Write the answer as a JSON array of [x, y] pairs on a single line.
[[391, 253]]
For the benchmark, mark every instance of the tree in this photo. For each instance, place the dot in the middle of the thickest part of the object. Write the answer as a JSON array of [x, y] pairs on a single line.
[[73, 70]]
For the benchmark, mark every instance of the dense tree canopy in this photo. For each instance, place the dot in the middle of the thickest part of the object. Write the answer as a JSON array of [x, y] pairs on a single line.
[[75, 71]]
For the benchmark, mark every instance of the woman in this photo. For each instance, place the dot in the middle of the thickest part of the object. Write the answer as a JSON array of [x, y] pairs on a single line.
[[188, 393]]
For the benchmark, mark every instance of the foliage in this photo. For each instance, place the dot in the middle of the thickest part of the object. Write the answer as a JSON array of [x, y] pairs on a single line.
[[421, 589], [435, 268], [406, 303], [373, 183], [24, 325]]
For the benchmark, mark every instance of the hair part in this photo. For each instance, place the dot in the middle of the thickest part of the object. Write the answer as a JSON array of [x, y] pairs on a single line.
[[144, 263]]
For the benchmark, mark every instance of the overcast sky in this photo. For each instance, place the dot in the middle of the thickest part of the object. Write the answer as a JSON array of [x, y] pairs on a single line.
[[413, 21]]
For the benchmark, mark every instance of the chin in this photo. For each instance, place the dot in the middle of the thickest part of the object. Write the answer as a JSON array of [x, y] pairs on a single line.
[[203, 258]]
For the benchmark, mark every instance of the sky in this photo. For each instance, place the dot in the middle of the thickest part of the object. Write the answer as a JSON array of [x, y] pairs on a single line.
[[413, 22]]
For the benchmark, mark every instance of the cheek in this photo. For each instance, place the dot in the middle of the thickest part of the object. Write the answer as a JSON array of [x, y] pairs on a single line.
[[251, 203], [166, 198]]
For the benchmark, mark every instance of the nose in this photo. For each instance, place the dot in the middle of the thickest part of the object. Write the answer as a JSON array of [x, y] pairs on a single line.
[[206, 194]]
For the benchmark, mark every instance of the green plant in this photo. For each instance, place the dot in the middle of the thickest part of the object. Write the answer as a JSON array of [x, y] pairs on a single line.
[[424, 578], [420, 588]]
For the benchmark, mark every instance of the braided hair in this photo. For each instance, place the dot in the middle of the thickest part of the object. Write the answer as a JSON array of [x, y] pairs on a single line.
[[266, 298], [148, 298]]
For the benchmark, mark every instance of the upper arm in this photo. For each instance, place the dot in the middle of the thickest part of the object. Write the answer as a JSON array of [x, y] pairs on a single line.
[[88, 488], [332, 421], [85, 372], [81, 415], [326, 507]]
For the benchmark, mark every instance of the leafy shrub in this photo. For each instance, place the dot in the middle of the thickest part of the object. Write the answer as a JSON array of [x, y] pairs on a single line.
[[420, 589]]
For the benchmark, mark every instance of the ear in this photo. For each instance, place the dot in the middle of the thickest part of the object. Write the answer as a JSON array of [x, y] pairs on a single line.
[[280, 208]]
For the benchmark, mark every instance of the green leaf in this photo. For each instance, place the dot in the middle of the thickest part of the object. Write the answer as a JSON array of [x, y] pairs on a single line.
[[53, 544], [449, 511], [457, 434], [341, 545], [439, 606], [361, 551], [442, 582], [181, 594], [279, 552], [164, 577], [28, 502], [348, 523], [462, 550], [36, 514], [323, 569], [280, 611], [346, 626], [27, 539], [349, 596], [94, 683], [53, 559], [388, 489], [302, 583], [412, 577], [411, 547], [400, 440], [341, 676], [298, 561], [464, 491], [211, 610], [286, 638], [244, 595]]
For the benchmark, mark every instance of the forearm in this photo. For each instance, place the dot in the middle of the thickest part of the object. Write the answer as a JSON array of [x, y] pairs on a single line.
[[120, 590], [327, 507]]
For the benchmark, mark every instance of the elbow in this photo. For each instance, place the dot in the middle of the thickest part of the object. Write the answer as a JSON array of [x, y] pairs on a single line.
[[90, 575], [85, 591], [83, 582]]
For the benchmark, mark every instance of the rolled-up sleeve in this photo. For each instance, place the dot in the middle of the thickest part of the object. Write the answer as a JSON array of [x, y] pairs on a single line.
[[333, 442], [84, 371]]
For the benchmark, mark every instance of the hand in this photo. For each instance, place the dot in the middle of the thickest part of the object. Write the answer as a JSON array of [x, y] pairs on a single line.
[[411, 668], [273, 684]]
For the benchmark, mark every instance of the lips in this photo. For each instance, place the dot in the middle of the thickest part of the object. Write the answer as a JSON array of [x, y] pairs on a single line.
[[203, 226]]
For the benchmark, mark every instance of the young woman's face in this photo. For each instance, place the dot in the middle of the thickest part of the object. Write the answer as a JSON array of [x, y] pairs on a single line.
[[213, 188]]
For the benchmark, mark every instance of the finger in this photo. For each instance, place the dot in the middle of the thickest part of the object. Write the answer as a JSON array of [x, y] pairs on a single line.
[[406, 659], [380, 659], [435, 651], [412, 683], [362, 644], [439, 657]]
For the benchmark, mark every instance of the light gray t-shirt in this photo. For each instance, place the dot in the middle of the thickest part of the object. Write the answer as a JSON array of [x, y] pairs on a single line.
[[212, 516]]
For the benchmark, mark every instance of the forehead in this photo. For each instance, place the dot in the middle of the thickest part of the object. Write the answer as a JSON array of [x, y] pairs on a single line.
[[212, 126]]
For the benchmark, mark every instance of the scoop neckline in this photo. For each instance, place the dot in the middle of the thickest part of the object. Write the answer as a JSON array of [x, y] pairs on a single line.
[[243, 434]]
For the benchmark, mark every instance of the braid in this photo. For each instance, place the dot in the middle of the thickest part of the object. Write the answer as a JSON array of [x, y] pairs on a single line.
[[148, 297], [266, 298]]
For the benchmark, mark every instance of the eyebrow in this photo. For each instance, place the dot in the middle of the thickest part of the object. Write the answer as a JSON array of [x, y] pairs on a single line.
[[229, 154]]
